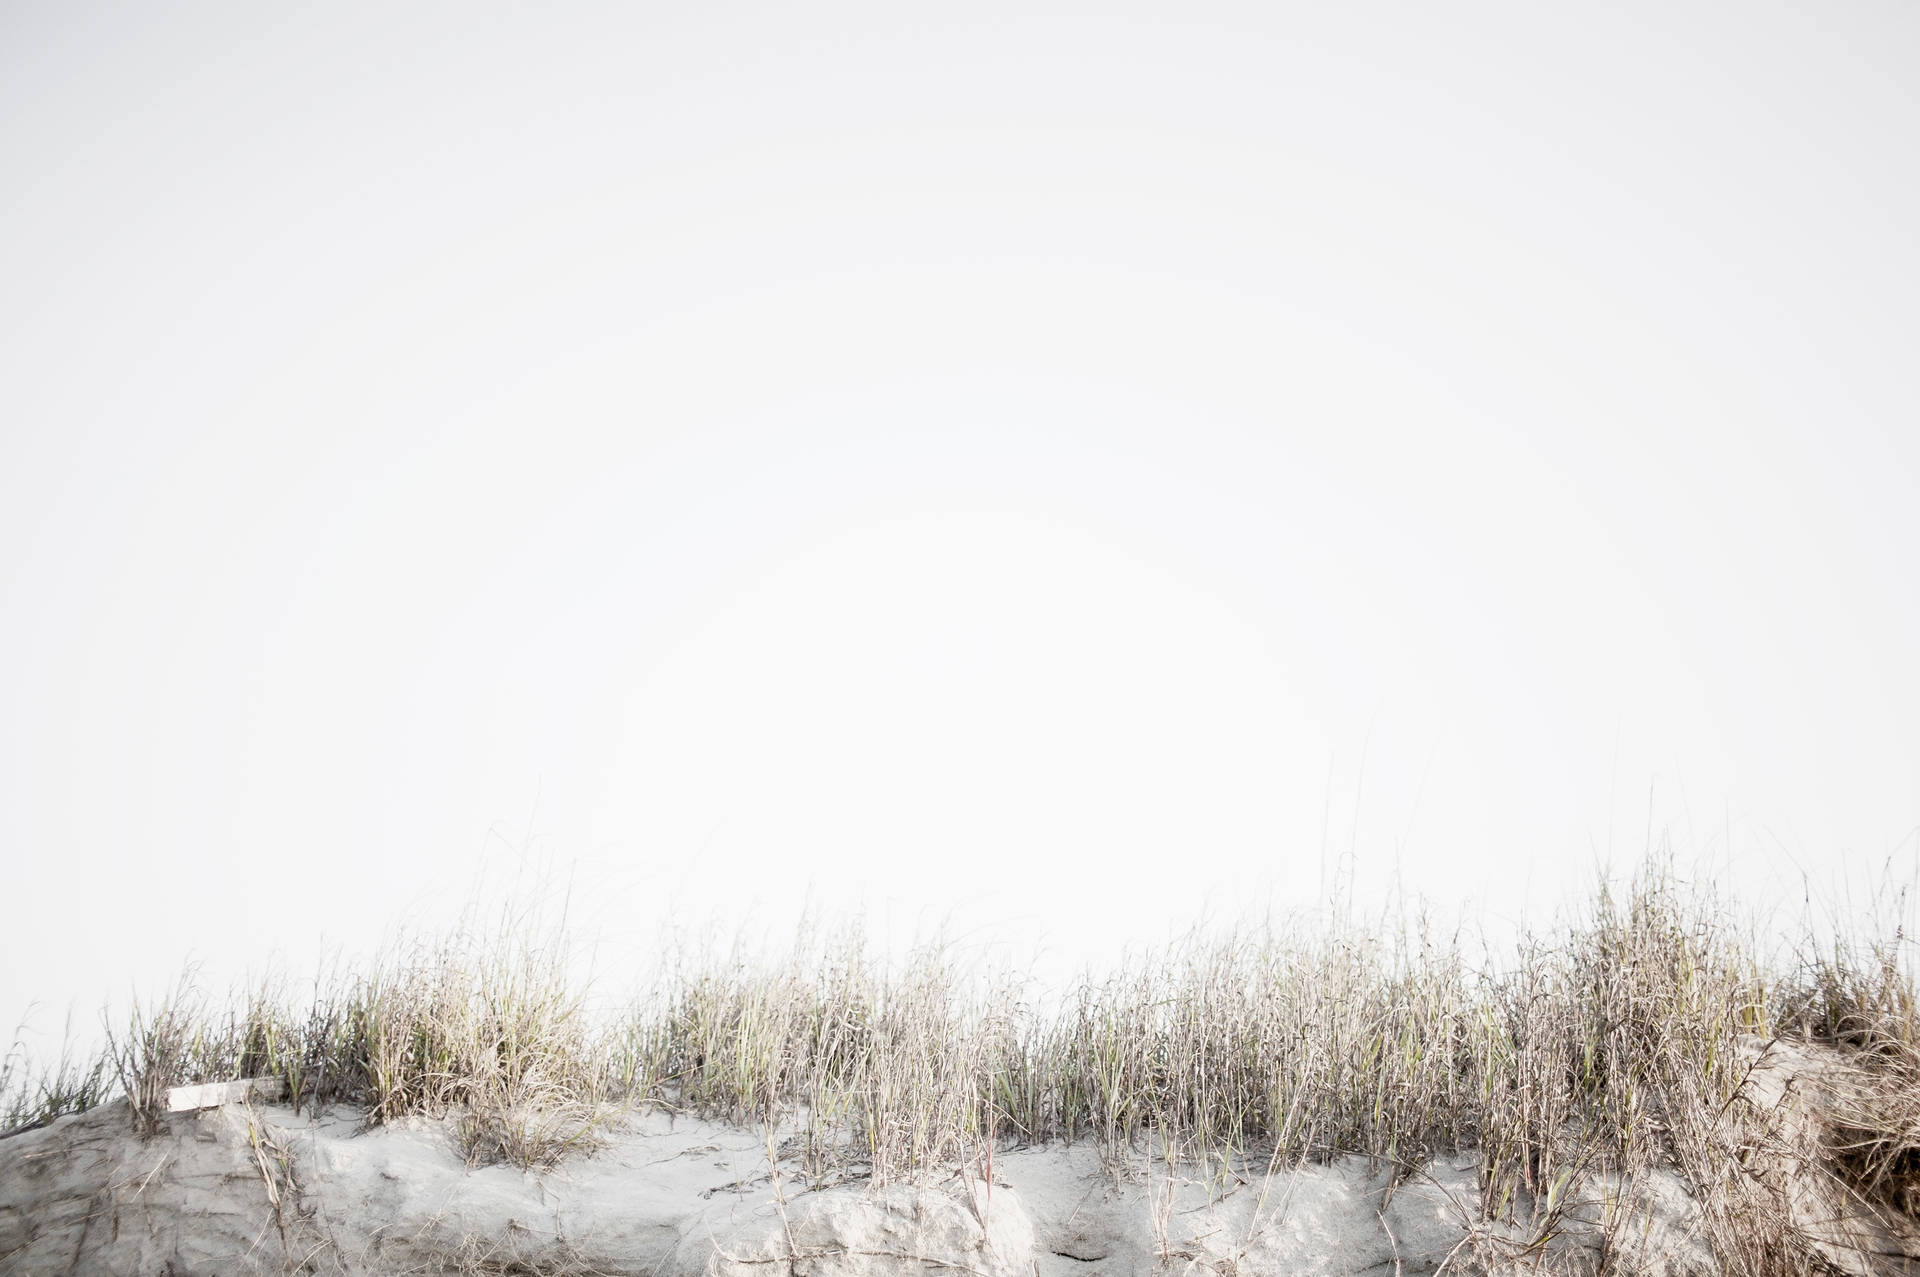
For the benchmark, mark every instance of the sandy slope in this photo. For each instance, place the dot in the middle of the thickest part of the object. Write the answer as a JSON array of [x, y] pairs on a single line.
[[241, 1189]]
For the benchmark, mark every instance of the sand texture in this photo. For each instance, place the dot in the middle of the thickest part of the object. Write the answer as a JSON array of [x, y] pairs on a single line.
[[260, 1189], [252, 1187]]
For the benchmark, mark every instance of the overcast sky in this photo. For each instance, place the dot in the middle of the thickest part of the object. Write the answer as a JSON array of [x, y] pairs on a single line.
[[1068, 469]]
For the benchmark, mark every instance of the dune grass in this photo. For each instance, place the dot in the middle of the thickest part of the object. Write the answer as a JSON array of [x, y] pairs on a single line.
[[1615, 1043]]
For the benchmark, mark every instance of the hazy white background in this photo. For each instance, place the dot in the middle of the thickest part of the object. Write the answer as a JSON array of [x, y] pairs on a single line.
[[1065, 469]]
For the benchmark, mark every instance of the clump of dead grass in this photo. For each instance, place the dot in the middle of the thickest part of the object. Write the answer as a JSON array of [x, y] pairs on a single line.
[[478, 1023]]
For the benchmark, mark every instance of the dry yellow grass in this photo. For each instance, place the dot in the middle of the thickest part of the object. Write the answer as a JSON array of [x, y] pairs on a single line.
[[1624, 1040]]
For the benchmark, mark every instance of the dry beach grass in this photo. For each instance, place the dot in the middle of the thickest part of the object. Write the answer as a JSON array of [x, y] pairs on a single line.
[[1635, 1036]]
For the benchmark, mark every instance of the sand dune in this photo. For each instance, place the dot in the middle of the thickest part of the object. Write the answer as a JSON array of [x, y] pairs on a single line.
[[249, 1188]]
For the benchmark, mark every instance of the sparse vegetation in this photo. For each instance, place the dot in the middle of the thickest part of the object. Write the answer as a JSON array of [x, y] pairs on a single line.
[[32, 1097], [1620, 1042]]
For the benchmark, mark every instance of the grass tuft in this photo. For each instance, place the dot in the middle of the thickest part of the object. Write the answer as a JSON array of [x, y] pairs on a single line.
[[31, 1098]]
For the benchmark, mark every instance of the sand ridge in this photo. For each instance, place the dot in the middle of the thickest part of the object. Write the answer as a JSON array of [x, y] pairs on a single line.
[[253, 1188]]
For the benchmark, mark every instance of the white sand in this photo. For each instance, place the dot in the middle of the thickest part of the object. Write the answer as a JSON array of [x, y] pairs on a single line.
[[676, 1197]]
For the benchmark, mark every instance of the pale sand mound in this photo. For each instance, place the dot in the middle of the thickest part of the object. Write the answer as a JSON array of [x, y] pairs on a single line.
[[1797, 1106], [261, 1190]]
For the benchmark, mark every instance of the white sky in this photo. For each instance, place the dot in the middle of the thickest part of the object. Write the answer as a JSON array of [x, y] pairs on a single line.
[[1061, 468]]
